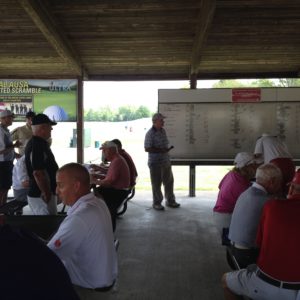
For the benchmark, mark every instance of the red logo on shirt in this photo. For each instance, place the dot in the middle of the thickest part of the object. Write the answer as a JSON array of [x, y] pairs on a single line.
[[57, 243]]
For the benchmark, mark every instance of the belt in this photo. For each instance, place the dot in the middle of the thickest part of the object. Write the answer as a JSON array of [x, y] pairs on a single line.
[[103, 289], [100, 289], [281, 284]]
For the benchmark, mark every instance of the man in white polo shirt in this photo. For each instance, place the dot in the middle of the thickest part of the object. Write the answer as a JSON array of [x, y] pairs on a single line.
[[274, 150], [84, 241]]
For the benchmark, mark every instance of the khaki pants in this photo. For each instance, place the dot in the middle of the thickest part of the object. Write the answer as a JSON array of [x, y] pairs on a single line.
[[162, 174]]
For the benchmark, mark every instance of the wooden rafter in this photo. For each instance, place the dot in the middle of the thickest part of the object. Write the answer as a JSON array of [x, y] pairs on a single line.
[[46, 23], [204, 21], [150, 40]]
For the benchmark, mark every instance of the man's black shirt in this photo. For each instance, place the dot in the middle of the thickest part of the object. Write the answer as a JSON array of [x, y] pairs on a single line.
[[38, 156]]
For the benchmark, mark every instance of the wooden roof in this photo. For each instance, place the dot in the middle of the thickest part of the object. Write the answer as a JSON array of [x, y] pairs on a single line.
[[150, 39]]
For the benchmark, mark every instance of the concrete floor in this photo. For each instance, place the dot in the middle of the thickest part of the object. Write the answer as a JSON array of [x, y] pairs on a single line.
[[172, 254]]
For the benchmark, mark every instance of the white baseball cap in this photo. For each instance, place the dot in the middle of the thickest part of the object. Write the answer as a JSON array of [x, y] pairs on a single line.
[[108, 144], [243, 159]]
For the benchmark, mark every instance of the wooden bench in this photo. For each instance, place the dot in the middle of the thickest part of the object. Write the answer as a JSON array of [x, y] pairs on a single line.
[[234, 263]]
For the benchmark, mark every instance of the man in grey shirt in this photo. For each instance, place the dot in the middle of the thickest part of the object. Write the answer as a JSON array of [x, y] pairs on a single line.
[[247, 211], [157, 146]]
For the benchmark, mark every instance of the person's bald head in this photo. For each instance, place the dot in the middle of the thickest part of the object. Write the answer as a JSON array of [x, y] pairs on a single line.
[[77, 171], [73, 182]]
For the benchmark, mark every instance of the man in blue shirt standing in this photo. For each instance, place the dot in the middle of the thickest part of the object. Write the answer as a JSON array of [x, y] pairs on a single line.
[[157, 146]]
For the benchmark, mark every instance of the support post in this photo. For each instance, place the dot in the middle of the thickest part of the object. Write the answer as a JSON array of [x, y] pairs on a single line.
[[192, 182], [80, 120]]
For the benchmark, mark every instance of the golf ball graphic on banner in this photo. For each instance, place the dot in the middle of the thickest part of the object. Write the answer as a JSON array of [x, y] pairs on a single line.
[[56, 113]]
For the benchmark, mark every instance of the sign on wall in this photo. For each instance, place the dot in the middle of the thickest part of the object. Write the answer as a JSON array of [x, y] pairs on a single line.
[[56, 98]]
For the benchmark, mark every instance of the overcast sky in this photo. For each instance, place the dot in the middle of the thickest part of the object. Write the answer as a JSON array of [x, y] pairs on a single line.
[[135, 93]]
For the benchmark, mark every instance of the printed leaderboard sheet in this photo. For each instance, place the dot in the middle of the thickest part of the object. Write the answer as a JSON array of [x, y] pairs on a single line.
[[220, 130]]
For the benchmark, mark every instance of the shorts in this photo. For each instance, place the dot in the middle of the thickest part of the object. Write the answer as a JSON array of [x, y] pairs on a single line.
[[6, 168], [245, 282]]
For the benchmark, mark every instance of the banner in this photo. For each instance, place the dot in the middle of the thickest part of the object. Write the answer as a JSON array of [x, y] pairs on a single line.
[[57, 98]]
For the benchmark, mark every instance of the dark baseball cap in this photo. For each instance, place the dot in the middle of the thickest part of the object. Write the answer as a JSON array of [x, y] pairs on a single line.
[[42, 119], [30, 114]]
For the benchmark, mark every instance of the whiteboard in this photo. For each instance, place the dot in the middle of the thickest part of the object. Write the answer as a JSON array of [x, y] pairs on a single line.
[[219, 130]]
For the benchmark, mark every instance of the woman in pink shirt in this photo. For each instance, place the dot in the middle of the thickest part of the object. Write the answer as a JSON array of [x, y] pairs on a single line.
[[232, 185]]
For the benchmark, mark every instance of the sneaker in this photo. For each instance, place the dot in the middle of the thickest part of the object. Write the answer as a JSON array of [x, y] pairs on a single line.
[[158, 207], [173, 204]]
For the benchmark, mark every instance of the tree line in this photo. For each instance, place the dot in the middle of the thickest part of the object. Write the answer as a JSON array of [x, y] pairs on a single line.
[[123, 113], [283, 82]]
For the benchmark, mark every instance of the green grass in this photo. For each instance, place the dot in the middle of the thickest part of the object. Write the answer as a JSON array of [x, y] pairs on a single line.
[[67, 100], [207, 178]]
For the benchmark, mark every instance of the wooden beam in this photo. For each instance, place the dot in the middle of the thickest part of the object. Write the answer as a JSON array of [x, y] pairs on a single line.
[[203, 76], [193, 81], [205, 18], [52, 31], [80, 121]]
